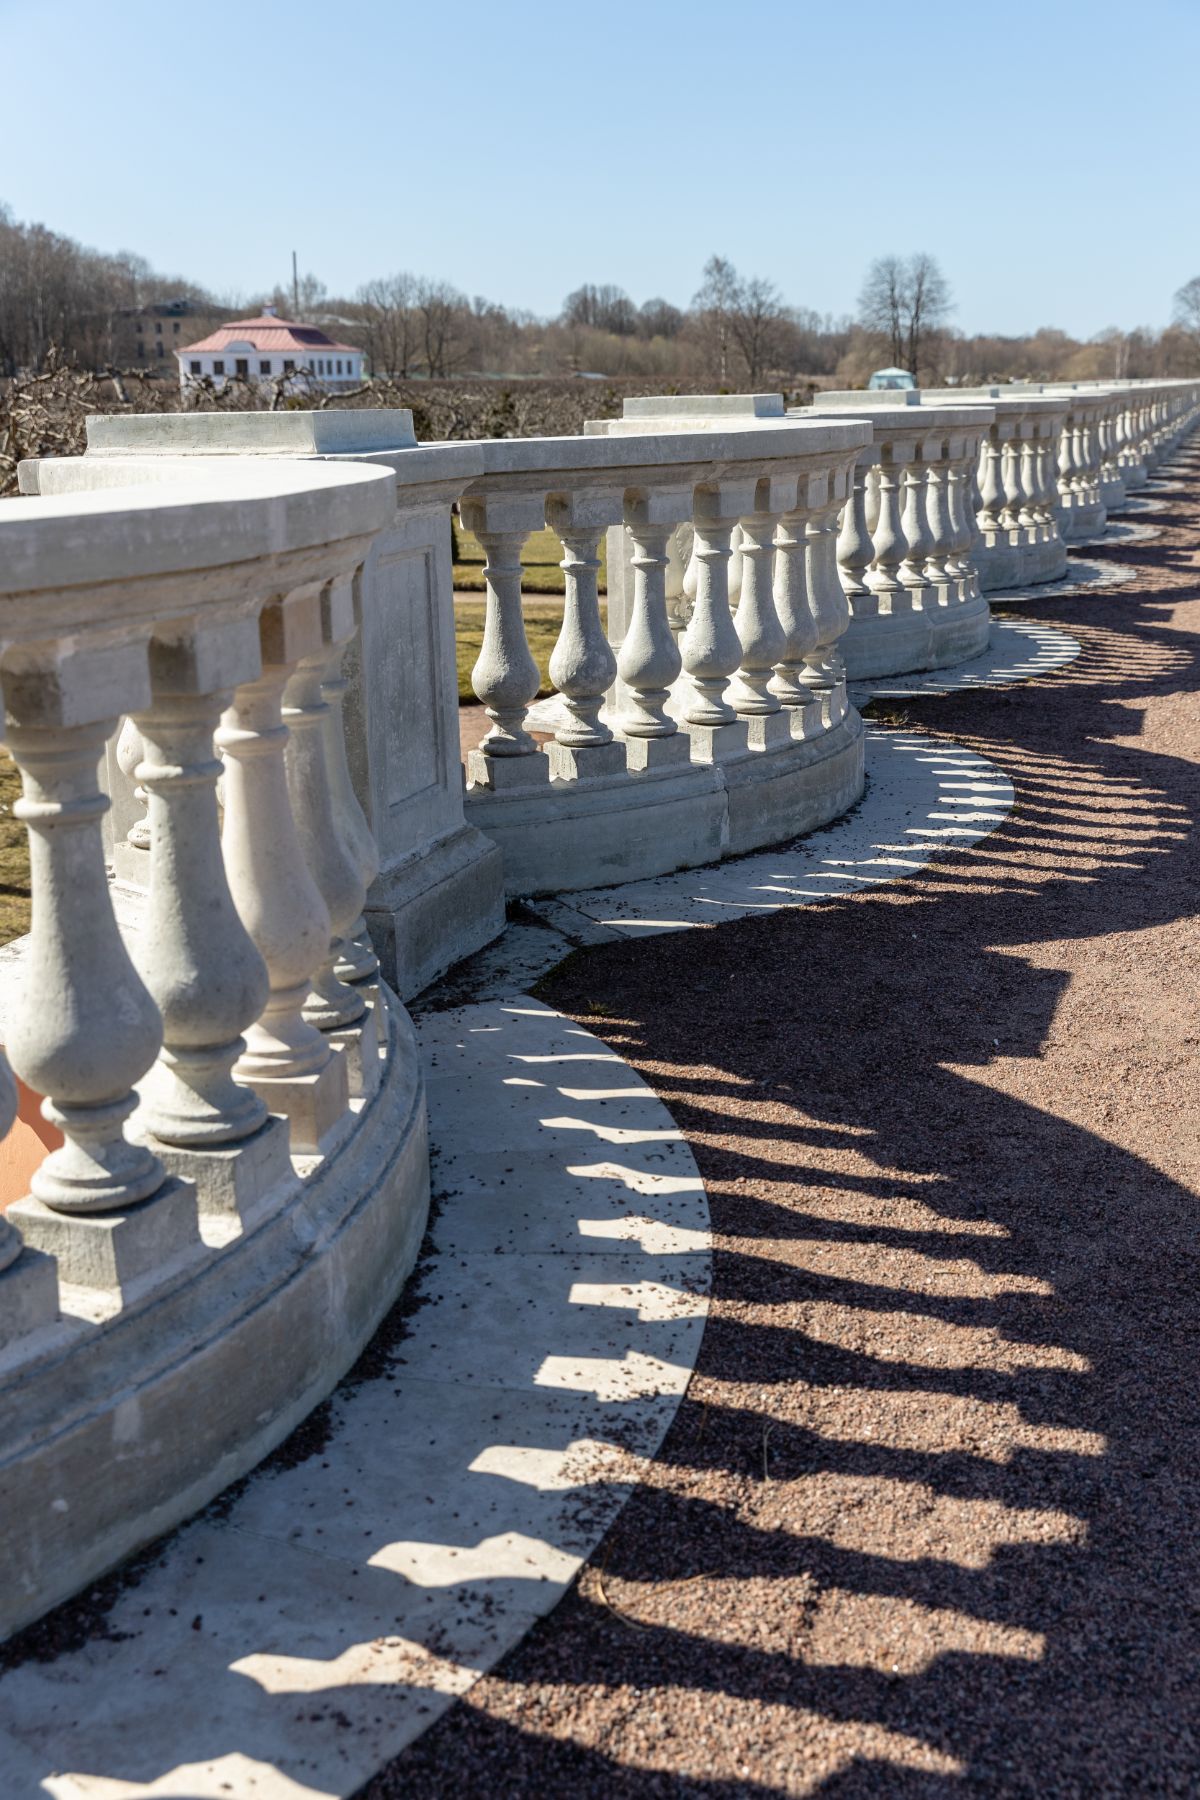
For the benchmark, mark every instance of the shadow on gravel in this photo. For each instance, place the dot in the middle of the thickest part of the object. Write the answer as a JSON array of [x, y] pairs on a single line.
[[926, 1519]]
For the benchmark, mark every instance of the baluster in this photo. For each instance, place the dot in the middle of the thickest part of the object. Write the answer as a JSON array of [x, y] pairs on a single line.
[[794, 607], [941, 530], [960, 566], [991, 488], [711, 647], [966, 488], [649, 662], [760, 632], [582, 664], [505, 677], [85, 1028], [915, 524], [193, 952], [825, 671], [287, 1061], [1091, 444], [332, 1004], [1066, 486], [357, 960], [854, 549], [883, 577], [1027, 482], [129, 755], [1010, 475], [1081, 453], [1043, 509]]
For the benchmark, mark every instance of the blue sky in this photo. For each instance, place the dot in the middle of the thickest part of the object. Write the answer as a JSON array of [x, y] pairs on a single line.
[[1048, 155]]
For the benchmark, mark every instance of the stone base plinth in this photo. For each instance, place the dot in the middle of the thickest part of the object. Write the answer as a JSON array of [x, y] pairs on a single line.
[[140, 1420], [746, 785], [234, 1182], [123, 1254], [440, 904], [585, 834], [782, 793], [314, 1105], [1083, 521], [902, 643]]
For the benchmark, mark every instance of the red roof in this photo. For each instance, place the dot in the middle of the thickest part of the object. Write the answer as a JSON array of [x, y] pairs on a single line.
[[268, 333]]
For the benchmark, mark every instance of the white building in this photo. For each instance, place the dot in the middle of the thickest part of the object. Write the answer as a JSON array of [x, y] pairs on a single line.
[[256, 349]]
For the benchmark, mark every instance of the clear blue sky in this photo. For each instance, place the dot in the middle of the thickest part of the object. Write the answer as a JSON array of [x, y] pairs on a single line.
[[1048, 154]]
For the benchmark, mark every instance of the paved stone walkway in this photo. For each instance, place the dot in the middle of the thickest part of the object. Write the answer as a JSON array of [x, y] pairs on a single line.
[[925, 1522]]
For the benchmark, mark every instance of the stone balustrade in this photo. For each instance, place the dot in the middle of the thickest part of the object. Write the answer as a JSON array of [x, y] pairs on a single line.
[[909, 541], [902, 540], [227, 663], [241, 1182], [754, 739], [1015, 501]]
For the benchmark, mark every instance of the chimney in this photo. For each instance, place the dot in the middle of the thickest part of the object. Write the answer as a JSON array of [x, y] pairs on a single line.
[[269, 312]]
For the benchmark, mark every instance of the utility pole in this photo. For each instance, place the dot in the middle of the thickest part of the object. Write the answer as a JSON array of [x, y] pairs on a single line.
[[295, 289]]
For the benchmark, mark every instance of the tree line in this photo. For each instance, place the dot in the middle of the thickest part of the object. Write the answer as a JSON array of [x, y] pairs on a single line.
[[61, 300]]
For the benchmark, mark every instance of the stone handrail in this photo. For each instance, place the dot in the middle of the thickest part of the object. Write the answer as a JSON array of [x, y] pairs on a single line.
[[764, 743], [227, 1073]]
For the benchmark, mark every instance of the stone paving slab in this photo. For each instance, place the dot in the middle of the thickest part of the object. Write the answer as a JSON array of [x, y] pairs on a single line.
[[1015, 652], [308, 1626], [922, 796]]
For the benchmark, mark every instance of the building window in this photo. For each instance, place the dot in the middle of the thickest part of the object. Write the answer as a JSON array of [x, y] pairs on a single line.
[[242, 366], [289, 368], [218, 367], [339, 368], [264, 366], [160, 349], [195, 367], [140, 327], [175, 328], [141, 352], [158, 328]]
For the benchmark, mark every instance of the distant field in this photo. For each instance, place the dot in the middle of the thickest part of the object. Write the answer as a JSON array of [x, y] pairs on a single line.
[[543, 552], [543, 621], [14, 857]]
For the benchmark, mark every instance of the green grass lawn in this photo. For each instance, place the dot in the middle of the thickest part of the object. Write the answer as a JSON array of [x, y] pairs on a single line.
[[543, 552], [543, 621], [14, 857]]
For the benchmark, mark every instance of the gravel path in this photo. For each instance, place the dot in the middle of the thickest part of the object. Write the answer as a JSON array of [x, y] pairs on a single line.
[[926, 1523]]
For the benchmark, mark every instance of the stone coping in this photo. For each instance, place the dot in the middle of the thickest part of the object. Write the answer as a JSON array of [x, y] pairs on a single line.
[[177, 454], [299, 433], [916, 417], [68, 537], [663, 444]]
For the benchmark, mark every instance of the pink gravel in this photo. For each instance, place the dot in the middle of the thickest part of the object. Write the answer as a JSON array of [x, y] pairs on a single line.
[[926, 1522]]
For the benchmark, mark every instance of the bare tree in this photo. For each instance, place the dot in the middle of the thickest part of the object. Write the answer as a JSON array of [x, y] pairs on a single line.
[[603, 308], [391, 323], [714, 304], [1187, 306], [881, 303], [444, 313], [928, 295], [658, 318], [905, 300], [757, 324]]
